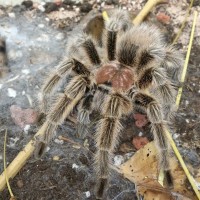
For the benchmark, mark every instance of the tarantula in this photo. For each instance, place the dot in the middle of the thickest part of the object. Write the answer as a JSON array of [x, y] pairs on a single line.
[[125, 69]]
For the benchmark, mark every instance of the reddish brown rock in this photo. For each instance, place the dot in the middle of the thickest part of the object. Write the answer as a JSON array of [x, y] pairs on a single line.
[[139, 142], [162, 17], [20, 184], [22, 117], [140, 120]]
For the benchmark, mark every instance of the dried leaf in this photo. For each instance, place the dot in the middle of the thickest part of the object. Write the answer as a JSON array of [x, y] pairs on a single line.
[[142, 169]]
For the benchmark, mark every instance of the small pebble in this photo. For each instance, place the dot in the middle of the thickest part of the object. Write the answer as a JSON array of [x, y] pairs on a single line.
[[12, 93], [87, 194], [75, 166], [61, 9], [118, 160], [1, 86], [57, 141], [13, 54], [187, 120], [26, 128], [11, 15], [43, 38], [140, 134], [1, 157], [127, 156], [25, 71], [76, 146], [102, 4], [60, 36], [14, 139], [41, 25], [77, 9], [23, 92], [86, 144], [13, 142], [56, 158], [41, 8], [47, 149], [20, 184], [175, 136], [42, 3]]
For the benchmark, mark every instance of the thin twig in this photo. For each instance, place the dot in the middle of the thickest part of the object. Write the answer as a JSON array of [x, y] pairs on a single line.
[[75, 143], [183, 24], [68, 140], [5, 170], [20, 160], [178, 155], [125, 191], [183, 75], [145, 11]]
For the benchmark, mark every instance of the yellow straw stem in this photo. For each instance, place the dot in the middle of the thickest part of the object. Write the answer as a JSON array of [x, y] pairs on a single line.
[[105, 15], [20, 160], [186, 60], [183, 24], [190, 178], [145, 11], [5, 170]]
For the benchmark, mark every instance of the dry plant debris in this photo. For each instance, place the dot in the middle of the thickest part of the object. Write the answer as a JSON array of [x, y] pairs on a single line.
[[142, 169]]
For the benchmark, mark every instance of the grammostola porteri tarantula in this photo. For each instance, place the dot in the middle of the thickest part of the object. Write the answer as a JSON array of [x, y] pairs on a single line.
[[128, 68]]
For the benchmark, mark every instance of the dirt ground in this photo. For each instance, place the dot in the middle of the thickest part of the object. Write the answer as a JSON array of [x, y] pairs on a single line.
[[36, 39]]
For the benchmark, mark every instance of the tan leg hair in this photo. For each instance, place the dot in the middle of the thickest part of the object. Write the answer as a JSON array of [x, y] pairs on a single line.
[[83, 117], [158, 127], [108, 130], [166, 94], [64, 68], [63, 106], [151, 75], [55, 77], [163, 88], [173, 62], [52, 81]]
